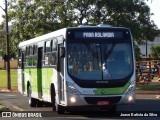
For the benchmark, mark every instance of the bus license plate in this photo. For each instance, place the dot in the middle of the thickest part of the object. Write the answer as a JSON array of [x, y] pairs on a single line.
[[102, 102]]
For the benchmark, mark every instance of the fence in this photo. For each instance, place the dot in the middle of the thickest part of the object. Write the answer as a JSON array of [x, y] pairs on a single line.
[[13, 64], [147, 69]]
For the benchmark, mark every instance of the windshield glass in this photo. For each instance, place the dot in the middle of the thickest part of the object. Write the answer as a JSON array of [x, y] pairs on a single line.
[[92, 61]]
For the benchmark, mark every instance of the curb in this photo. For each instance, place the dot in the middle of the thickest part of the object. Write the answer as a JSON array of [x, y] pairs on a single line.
[[147, 92]]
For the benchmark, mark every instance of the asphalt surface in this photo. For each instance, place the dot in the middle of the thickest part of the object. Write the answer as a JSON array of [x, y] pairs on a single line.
[[17, 102], [145, 101]]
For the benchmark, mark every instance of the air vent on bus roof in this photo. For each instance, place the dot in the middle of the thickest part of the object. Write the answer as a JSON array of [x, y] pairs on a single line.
[[104, 25], [84, 25]]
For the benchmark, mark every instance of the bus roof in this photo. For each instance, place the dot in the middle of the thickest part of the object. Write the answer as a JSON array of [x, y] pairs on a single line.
[[43, 37], [62, 32]]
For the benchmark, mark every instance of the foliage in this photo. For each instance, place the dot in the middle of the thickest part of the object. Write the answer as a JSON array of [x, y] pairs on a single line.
[[155, 51], [32, 18], [137, 52], [2, 41]]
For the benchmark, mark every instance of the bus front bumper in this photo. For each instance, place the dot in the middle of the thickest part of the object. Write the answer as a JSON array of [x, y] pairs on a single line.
[[85, 100]]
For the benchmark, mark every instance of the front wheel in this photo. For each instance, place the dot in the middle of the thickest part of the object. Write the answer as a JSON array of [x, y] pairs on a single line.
[[58, 108]]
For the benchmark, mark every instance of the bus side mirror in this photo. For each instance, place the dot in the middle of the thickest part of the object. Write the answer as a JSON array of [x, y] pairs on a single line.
[[62, 52]]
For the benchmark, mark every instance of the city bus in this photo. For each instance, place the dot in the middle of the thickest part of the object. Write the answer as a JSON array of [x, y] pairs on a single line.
[[78, 67]]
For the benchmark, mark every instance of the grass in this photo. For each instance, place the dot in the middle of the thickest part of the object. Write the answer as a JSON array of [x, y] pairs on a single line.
[[148, 87], [3, 78], [13, 73]]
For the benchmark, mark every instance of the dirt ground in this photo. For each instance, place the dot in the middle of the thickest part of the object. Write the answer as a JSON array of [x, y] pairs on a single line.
[[5, 89]]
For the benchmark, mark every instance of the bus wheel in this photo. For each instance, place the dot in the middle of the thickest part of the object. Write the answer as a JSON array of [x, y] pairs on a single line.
[[40, 103], [60, 109], [32, 101], [53, 97]]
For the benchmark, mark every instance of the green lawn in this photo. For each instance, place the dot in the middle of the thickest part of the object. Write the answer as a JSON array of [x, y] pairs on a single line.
[[148, 87], [3, 81], [3, 78]]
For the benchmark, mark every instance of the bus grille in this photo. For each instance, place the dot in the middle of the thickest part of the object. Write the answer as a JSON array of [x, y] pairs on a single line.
[[94, 100]]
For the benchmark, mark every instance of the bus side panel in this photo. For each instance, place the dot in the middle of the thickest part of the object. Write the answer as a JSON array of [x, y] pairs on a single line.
[[26, 79], [39, 82], [46, 83], [20, 80], [20, 71], [34, 83]]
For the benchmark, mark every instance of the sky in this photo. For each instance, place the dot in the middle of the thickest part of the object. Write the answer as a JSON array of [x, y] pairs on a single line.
[[153, 4]]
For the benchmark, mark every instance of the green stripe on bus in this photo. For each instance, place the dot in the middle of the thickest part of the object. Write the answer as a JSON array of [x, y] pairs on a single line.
[[112, 91]]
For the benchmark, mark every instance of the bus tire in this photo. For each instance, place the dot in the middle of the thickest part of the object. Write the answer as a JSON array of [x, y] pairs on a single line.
[[53, 97], [60, 109], [55, 107], [40, 103], [32, 101]]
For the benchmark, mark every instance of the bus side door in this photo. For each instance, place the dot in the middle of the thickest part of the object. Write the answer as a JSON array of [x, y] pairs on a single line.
[[60, 75]]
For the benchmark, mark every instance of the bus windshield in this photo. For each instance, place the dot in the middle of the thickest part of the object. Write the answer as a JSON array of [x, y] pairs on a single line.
[[92, 61]]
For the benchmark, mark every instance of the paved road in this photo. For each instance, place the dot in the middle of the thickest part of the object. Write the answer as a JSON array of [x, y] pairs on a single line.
[[144, 102]]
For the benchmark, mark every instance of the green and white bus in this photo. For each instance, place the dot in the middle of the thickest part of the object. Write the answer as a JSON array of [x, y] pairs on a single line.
[[87, 66]]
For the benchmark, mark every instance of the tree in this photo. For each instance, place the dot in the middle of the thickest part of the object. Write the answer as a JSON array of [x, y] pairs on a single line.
[[155, 51], [2, 40], [137, 52], [32, 18]]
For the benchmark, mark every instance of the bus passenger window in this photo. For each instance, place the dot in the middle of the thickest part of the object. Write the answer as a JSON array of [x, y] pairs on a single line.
[[46, 59], [53, 58], [47, 46], [54, 46]]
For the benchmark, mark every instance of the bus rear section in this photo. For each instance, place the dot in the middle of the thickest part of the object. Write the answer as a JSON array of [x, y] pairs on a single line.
[[98, 69]]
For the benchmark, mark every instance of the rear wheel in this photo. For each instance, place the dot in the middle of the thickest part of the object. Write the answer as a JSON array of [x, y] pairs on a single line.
[[53, 98], [40, 103], [32, 101]]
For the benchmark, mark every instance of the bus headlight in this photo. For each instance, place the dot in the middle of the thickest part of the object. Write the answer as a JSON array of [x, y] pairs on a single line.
[[72, 89], [73, 99], [130, 88], [130, 98]]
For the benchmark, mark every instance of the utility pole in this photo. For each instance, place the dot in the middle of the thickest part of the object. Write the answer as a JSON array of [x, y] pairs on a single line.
[[7, 47], [7, 56], [146, 48]]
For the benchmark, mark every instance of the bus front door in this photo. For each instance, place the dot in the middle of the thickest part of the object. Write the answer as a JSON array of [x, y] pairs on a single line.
[[60, 76]]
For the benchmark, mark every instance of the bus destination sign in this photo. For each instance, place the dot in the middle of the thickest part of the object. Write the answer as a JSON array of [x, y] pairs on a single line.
[[98, 35]]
